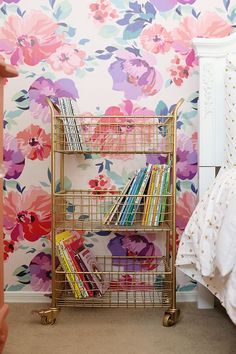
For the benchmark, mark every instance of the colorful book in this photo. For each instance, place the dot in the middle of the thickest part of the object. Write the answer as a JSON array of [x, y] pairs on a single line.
[[130, 200], [126, 198], [156, 195], [148, 201], [99, 278], [164, 193], [66, 264], [140, 192], [69, 245], [115, 207]]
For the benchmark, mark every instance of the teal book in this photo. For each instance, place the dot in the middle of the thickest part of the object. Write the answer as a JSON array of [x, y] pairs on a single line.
[[141, 192], [125, 200], [131, 197]]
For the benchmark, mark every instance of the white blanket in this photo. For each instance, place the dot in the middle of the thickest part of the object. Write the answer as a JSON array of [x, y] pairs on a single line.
[[207, 250]]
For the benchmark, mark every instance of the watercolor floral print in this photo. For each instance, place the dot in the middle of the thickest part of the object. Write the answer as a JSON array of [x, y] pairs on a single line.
[[115, 57]]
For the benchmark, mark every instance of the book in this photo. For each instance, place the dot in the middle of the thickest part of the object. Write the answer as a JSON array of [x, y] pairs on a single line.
[[114, 209], [164, 194], [156, 195], [66, 264], [131, 196], [140, 195], [126, 198], [71, 243], [94, 270], [75, 112], [132, 199], [149, 195], [69, 124]]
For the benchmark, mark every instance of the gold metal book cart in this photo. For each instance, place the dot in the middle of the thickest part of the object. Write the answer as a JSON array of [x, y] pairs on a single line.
[[132, 280]]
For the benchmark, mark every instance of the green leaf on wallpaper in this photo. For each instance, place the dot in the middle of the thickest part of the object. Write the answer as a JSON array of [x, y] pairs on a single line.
[[62, 10], [67, 183], [11, 184], [22, 99], [115, 177], [20, 271], [188, 287], [108, 31], [44, 184], [16, 287], [120, 4], [14, 114], [23, 247]]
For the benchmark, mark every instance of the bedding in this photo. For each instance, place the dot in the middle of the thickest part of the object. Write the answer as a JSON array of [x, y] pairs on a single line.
[[207, 250]]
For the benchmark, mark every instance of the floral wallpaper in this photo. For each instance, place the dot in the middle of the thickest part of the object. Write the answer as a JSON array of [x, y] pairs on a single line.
[[114, 57]]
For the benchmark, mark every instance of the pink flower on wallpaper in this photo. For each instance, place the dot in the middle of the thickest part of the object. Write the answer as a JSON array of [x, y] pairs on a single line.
[[134, 75], [185, 206], [186, 167], [103, 11], [179, 71], [13, 158], [34, 142], [125, 130], [29, 39], [165, 5], [209, 24], [156, 39], [27, 215], [42, 88], [67, 58], [102, 185]]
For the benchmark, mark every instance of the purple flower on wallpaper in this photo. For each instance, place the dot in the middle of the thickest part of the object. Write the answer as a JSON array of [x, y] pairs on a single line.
[[186, 167], [40, 269], [8, 1], [134, 75], [13, 159], [165, 5], [133, 245], [41, 88]]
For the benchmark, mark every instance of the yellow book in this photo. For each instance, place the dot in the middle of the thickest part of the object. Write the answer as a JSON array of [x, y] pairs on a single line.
[[148, 199], [156, 193], [66, 264]]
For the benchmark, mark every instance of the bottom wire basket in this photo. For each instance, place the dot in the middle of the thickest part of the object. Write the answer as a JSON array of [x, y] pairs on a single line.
[[132, 281]]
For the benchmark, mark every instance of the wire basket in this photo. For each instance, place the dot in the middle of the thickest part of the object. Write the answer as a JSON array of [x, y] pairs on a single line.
[[113, 135], [131, 281], [89, 210]]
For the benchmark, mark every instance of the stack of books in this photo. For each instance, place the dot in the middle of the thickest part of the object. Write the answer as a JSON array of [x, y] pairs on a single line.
[[82, 271], [71, 125], [143, 199]]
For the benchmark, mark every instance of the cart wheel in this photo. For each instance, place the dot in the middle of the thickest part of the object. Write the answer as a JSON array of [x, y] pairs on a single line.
[[168, 320], [48, 316], [171, 317]]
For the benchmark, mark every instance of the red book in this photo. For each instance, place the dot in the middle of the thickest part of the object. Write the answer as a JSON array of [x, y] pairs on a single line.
[[72, 245]]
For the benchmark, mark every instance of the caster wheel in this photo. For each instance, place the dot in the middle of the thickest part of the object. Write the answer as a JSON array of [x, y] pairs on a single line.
[[168, 320]]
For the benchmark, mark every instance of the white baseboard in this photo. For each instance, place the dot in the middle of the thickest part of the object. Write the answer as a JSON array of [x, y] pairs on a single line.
[[39, 297]]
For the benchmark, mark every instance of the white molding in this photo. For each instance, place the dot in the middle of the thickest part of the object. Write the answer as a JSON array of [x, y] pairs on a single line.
[[39, 297], [215, 47], [26, 297]]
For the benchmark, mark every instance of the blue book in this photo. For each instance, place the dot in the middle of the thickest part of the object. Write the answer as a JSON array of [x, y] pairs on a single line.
[[130, 209], [129, 198], [162, 191], [126, 199]]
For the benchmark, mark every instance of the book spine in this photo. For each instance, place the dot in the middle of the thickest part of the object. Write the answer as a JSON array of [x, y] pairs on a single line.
[[75, 126], [67, 269], [164, 198], [66, 124], [147, 200], [108, 218], [131, 198], [157, 195], [151, 198], [81, 280], [93, 289], [126, 199], [72, 124], [140, 193]]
